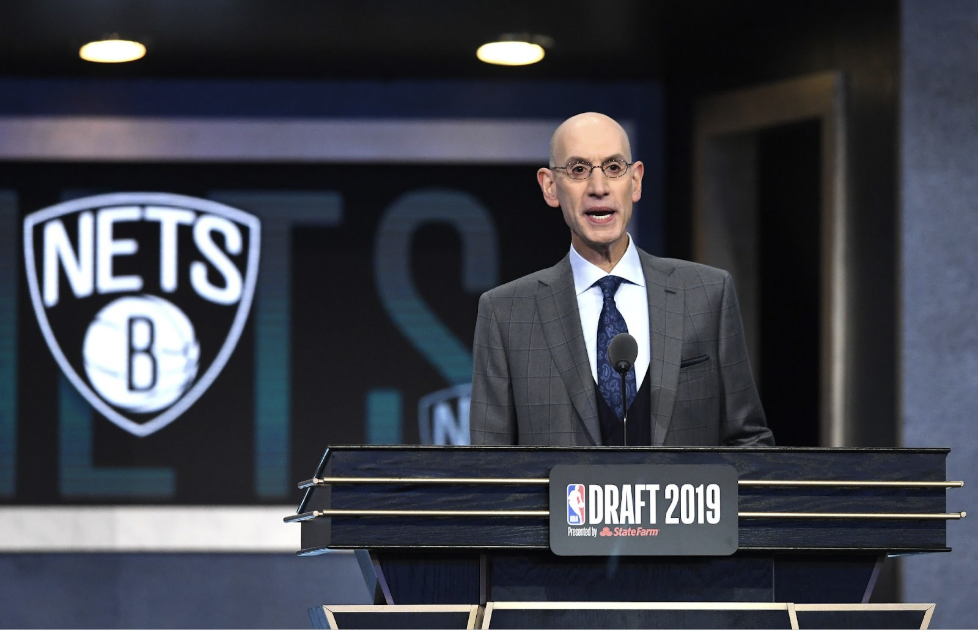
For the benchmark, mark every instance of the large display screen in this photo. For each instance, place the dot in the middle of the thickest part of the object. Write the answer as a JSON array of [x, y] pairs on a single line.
[[198, 333]]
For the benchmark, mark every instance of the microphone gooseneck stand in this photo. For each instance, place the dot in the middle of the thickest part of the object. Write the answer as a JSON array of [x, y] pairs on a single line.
[[622, 352], [624, 405]]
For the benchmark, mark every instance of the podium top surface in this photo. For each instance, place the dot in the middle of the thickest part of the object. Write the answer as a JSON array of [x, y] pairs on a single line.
[[860, 499], [643, 449]]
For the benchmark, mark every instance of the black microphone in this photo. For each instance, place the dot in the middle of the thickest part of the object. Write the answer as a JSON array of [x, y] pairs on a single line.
[[622, 352]]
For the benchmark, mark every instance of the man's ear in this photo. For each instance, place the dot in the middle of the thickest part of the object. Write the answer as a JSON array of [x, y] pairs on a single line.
[[548, 186], [638, 171]]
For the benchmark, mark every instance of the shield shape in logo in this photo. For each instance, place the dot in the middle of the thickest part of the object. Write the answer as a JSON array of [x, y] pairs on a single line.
[[443, 416], [141, 297]]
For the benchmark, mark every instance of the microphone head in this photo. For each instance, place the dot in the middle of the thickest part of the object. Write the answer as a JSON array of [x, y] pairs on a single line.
[[622, 352]]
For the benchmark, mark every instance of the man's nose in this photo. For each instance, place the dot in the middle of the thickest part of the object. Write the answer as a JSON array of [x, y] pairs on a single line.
[[597, 183]]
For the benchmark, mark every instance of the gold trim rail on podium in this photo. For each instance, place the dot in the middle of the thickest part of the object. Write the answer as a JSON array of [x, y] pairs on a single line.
[[478, 481], [765, 483], [306, 516]]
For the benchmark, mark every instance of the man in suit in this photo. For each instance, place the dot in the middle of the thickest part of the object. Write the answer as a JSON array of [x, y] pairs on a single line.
[[541, 373]]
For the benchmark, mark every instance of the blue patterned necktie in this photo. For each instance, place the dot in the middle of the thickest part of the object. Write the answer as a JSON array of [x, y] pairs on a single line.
[[611, 323]]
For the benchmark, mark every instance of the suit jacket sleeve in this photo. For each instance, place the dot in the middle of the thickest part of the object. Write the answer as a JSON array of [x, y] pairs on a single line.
[[742, 420], [492, 412]]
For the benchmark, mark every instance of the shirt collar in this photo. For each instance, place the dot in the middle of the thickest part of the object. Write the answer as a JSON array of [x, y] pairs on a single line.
[[586, 273]]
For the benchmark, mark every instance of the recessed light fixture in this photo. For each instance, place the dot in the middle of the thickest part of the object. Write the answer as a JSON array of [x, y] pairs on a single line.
[[514, 50], [112, 51]]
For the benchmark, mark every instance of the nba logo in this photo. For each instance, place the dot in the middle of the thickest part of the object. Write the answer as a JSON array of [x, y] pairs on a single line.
[[575, 504]]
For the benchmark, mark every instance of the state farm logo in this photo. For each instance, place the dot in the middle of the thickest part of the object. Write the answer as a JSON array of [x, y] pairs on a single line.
[[629, 531], [141, 297]]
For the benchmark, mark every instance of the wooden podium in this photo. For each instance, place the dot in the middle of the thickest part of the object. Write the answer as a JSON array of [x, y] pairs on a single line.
[[458, 537]]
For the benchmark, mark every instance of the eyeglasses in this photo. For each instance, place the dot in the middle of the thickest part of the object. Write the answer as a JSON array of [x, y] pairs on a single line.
[[582, 170]]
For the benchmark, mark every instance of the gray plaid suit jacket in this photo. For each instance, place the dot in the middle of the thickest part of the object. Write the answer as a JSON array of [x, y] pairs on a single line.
[[532, 381]]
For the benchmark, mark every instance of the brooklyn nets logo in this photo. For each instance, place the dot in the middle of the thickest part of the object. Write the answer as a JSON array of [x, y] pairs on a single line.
[[141, 297]]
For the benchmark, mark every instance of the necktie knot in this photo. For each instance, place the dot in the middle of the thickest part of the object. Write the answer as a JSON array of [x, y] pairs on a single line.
[[609, 286]]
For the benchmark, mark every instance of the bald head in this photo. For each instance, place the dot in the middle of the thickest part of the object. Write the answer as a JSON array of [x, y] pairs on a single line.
[[596, 207], [586, 123]]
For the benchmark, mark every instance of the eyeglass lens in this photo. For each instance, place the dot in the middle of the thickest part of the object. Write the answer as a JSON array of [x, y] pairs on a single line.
[[582, 170]]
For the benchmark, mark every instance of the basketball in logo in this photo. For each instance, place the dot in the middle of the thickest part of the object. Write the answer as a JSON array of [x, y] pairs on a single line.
[[141, 353], [141, 298]]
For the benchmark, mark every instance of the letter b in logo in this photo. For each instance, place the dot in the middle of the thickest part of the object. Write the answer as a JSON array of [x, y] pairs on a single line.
[[141, 353], [141, 332]]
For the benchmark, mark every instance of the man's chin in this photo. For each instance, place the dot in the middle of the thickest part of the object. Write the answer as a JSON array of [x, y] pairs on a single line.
[[603, 243], [607, 238]]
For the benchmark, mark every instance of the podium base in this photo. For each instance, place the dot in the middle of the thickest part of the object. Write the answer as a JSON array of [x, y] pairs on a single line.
[[416, 577], [625, 615]]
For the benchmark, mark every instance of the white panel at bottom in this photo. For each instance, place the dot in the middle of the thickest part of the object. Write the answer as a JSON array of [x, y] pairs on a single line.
[[148, 528]]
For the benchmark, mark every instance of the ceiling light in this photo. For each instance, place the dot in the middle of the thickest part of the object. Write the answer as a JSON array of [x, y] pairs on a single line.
[[112, 51], [513, 50]]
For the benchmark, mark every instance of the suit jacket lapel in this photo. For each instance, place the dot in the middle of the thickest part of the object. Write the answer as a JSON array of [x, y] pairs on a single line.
[[666, 320], [561, 322]]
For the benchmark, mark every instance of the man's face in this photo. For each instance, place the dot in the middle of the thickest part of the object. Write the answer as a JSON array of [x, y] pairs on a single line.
[[597, 209]]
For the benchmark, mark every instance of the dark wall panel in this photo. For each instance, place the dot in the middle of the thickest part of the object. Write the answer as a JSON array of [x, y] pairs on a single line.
[[720, 46]]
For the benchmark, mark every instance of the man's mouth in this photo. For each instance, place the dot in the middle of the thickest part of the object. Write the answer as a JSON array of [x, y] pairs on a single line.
[[600, 214]]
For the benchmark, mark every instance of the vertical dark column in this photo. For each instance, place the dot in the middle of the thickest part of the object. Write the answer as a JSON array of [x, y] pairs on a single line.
[[789, 222]]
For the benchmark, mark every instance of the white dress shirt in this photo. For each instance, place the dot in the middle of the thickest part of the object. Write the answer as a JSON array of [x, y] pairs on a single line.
[[631, 298]]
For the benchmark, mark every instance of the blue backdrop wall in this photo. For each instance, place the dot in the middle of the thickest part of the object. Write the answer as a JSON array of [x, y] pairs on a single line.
[[939, 281]]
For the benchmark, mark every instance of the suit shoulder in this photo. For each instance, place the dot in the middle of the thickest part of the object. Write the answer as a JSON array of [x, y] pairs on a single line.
[[523, 287], [690, 273], [517, 299]]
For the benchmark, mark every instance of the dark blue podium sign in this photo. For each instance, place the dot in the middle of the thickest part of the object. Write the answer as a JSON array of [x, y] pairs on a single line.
[[636, 510]]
